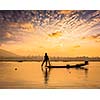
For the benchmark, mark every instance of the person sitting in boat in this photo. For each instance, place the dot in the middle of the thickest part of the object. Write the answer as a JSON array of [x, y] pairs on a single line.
[[45, 60]]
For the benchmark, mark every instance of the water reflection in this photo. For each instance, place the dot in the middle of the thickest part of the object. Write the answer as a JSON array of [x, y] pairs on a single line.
[[86, 73], [30, 75], [46, 73]]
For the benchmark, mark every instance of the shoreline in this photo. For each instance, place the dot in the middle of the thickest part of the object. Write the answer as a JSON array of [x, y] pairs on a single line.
[[50, 60]]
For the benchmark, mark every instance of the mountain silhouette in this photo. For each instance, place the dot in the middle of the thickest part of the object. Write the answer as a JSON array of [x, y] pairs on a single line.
[[5, 53]]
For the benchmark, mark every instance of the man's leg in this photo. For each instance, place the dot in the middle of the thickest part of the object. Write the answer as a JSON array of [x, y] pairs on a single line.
[[46, 64], [49, 62], [42, 62]]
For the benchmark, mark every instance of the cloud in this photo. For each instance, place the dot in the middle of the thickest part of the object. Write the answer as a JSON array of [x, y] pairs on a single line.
[[71, 24], [8, 35], [95, 37], [0, 44], [55, 34], [66, 11], [77, 46], [15, 16], [15, 31]]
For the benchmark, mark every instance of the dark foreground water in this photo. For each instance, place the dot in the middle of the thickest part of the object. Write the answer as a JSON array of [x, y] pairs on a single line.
[[29, 75]]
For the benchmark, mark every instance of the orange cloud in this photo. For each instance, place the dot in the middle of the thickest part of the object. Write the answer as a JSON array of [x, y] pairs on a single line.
[[95, 37], [76, 46], [66, 11], [55, 34], [27, 27], [22, 26], [0, 44], [8, 35]]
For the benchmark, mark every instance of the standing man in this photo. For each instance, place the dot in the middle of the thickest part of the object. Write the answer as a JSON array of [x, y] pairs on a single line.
[[45, 60]]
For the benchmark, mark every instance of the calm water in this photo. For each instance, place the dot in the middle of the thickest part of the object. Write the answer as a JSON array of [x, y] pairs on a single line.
[[30, 75]]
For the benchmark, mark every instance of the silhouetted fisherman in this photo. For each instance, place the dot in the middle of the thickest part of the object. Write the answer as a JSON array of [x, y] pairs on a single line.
[[45, 60]]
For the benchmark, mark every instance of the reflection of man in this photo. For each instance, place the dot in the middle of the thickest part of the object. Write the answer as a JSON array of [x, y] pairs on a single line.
[[45, 60]]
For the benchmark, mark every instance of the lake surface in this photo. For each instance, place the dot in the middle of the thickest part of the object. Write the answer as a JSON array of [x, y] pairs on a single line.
[[29, 75]]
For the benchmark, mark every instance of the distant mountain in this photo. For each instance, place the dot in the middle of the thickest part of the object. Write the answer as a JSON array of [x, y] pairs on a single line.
[[4, 53]]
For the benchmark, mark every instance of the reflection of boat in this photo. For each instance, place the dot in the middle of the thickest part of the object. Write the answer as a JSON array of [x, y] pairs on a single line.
[[72, 66]]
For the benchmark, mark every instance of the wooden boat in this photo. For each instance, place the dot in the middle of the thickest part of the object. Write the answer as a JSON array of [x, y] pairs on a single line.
[[72, 66], [20, 60]]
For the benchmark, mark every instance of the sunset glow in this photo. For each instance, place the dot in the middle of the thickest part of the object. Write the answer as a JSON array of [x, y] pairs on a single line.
[[60, 33]]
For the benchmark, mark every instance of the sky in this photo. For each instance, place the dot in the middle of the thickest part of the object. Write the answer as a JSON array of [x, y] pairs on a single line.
[[57, 32]]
